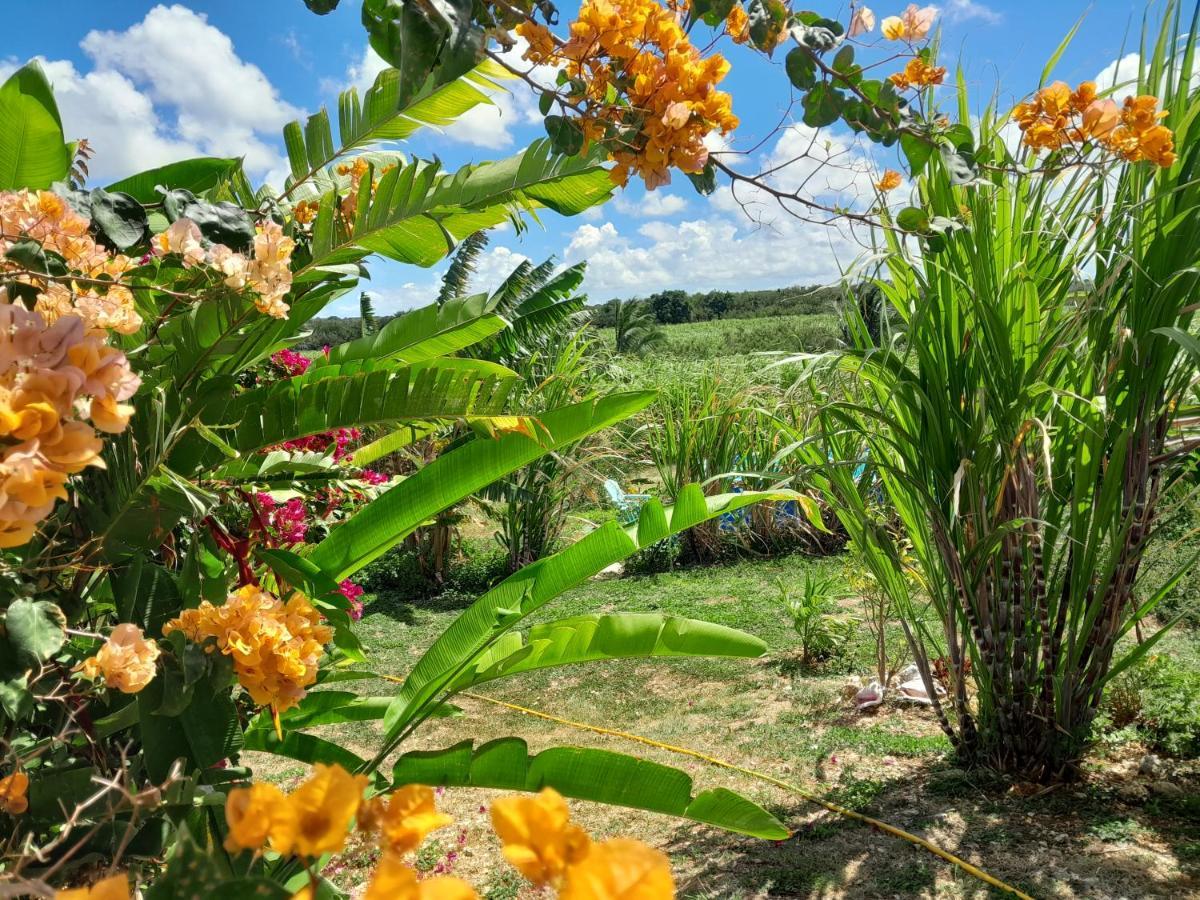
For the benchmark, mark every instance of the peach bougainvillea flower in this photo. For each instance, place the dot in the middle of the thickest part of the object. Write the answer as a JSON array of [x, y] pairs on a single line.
[[126, 661], [538, 837], [404, 818], [620, 869], [393, 880], [115, 887], [14, 791], [911, 25], [862, 22], [890, 180]]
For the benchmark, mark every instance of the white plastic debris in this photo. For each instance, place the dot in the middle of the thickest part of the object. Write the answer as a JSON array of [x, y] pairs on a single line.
[[914, 691], [871, 695]]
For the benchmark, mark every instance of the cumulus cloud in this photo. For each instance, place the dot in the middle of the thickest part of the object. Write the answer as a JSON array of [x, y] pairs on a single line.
[[654, 205], [742, 238], [168, 87], [968, 10]]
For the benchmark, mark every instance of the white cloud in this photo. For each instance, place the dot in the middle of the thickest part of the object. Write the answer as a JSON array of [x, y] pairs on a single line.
[[486, 125], [654, 205], [222, 104], [744, 238], [1120, 73], [168, 87], [493, 266], [966, 10]]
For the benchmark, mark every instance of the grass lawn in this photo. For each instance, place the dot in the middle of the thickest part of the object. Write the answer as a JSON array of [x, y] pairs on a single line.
[[1116, 835]]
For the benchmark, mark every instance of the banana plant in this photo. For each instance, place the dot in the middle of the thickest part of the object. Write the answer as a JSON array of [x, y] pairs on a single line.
[[483, 645]]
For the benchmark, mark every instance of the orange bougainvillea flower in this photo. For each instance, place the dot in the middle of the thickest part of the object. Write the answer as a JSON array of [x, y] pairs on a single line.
[[620, 869], [126, 661], [918, 74], [259, 814], [538, 837], [1058, 117], [890, 180], [276, 647], [404, 819], [631, 69], [115, 887], [14, 790], [324, 807], [393, 880], [737, 24]]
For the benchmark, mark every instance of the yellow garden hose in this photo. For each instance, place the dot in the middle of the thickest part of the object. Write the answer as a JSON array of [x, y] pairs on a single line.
[[974, 871]]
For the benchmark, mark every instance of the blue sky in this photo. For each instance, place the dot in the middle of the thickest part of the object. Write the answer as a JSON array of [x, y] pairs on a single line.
[[150, 82]]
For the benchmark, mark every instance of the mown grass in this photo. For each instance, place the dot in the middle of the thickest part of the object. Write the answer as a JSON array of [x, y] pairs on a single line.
[[793, 722]]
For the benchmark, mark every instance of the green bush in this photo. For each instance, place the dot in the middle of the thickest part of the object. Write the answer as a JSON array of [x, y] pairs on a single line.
[[1159, 698]]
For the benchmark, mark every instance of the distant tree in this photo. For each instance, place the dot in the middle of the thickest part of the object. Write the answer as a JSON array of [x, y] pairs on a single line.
[[712, 305], [635, 326], [670, 307]]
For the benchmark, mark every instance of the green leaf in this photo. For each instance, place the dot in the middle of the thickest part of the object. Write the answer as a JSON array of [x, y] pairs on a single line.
[[385, 521], [912, 218], [704, 181], [801, 68], [33, 152], [527, 590], [418, 213], [422, 334], [917, 150], [822, 106], [437, 38], [222, 223], [119, 217], [195, 175], [204, 733], [36, 630], [566, 137], [601, 776], [603, 637]]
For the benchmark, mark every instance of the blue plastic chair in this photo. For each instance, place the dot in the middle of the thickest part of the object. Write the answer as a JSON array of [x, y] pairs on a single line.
[[627, 505]]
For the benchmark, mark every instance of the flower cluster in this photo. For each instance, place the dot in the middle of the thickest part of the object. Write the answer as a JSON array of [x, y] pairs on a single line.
[[637, 50], [339, 439], [93, 289], [370, 476], [127, 660], [889, 181], [918, 74], [357, 170], [1057, 117], [288, 521], [536, 832], [14, 793], [542, 843], [292, 362], [912, 25], [54, 379], [353, 592], [275, 646], [268, 272]]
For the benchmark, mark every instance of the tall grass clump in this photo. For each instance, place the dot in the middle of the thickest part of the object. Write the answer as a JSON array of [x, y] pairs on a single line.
[[1024, 430]]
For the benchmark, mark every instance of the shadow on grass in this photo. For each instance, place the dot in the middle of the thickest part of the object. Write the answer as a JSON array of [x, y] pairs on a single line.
[[1075, 842]]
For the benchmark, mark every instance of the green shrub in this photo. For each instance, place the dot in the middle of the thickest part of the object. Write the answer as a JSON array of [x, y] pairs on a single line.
[[1159, 697]]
